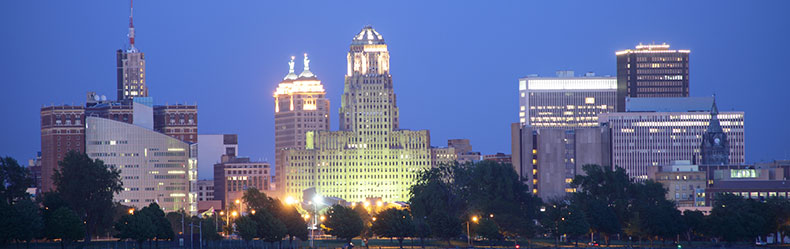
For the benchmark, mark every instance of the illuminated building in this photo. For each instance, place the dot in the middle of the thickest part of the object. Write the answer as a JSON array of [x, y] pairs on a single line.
[[547, 159], [657, 131], [130, 65], [154, 167], [370, 157], [234, 175], [457, 150], [652, 70], [565, 101], [300, 106], [684, 182]]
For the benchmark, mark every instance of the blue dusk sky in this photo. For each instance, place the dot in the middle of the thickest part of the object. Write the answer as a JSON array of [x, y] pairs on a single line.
[[455, 64]]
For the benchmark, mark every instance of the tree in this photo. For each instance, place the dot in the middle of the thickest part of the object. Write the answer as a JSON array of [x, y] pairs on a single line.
[[14, 180], [421, 229], [574, 223], [342, 222], [64, 224], [25, 220], [294, 224], [87, 186], [734, 218], [605, 193], [778, 215], [552, 216], [162, 228], [367, 221], [247, 229], [437, 197], [494, 188], [270, 229], [138, 227], [209, 228], [694, 222], [394, 223], [488, 229]]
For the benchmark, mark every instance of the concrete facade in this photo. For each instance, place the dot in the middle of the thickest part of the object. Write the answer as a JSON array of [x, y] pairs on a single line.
[[652, 70], [212, 148], [234, 175], [565, 101]]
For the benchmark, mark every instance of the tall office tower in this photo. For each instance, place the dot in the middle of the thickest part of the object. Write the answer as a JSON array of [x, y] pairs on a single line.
[[234, 175], [131, 68], [715, 149], [62, 130], [657, 131], [547, 159], [154, 167], [370, 157], [212, 148], [300, 105], [652, 70], [565, 101], [178, 121]]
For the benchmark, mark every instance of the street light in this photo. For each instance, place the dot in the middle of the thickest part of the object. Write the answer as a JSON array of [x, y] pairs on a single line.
[[316, 199], [131, 211], [468, 234], [253, 211], [290, 200]]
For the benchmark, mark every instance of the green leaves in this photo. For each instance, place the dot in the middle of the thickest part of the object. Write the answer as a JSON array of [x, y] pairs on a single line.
[[64, 224], [343, 222], [394, 223]]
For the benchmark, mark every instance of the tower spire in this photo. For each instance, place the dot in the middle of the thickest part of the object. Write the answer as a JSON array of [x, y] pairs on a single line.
[[306, 72], [291, 75], [131, 24]]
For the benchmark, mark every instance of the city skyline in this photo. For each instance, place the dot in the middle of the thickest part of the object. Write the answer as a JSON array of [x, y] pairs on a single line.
[[241, 77]]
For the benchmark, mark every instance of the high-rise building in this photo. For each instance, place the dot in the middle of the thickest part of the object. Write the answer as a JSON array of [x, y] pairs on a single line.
[[547, 159], [34, 166], [130, 64], [234, 175], [205, 189], [370, 157], [62, 130], [154, 167], [657, 131], [652, 70], [300, 106], [212, 148], [565, 101]]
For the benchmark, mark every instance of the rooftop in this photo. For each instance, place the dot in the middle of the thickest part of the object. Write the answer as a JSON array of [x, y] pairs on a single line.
[[367, 35]]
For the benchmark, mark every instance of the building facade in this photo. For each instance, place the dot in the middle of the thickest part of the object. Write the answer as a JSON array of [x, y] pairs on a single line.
[[370, 157], [205, 190], [178, 121], [684, 182], [658, 131], [565, 101], [498, 157], [212, 148], [130, 65], [154, 167], [547, 159], [234, 175], [62, 130], [652, 70], [300, 106]]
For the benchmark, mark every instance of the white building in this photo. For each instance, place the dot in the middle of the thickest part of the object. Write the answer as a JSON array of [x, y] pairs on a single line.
[[154, 167], [657, 131], [211, 149], [565, 101]]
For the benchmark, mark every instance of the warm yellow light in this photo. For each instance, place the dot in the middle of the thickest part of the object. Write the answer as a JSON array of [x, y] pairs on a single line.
[[374, 218], [131, 211], [379, 203], [323, 218], [221, 212], [366, 204], [307, 216], [238, 201], [491, 215], [474, 219], [290, 200], [253, 211], [234, 213]]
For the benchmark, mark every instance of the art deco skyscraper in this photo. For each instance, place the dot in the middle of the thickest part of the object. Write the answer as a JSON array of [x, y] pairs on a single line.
[[131, 68], [300, 105], [370, 157]]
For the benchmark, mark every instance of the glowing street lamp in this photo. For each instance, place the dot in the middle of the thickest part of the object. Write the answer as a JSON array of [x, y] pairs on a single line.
[[253, 211], [468, 234], [234, 213], [131, 211], [290, 200]]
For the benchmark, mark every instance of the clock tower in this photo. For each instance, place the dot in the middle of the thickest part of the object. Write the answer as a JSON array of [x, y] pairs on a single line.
[[715, 148]]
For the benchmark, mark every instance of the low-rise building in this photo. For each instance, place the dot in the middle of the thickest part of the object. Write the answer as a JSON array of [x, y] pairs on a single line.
[[234, 175]]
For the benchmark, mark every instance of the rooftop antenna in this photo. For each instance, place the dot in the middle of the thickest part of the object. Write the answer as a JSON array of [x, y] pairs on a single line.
[[131, 24]]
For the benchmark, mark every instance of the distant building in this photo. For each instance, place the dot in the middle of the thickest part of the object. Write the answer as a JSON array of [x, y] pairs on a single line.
[[498, 157], [34, 166], [234, 175], [657, 131], [565, 101], [178, 121], [212, 148], [457, 150], [205, 190], [371, 156], [652, 70], [759, 181], [684, 182], [715, 149], [300, 106], [130, 65], [547, 159], [154, 167]]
